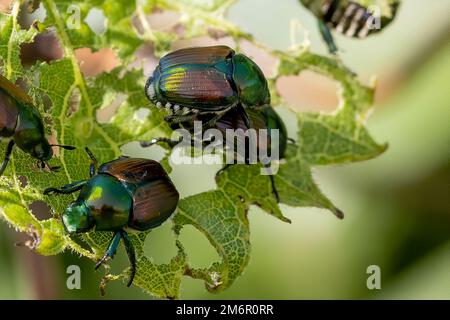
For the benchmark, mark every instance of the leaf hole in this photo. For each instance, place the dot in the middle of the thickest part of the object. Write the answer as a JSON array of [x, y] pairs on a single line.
[[46, 102], [27, 16], [134, 149], [93, 63], [159, 20], [142, 113], [45, 47], [41, 210], [202, 42], [290, 119], [309, 91], [217, 34], [111, 102], [164, 20], [74, 102], [96, 21], [144, 58], [198, 248], [202, 176], [53, 139], [23, 181], [160, 244], [5, 7]]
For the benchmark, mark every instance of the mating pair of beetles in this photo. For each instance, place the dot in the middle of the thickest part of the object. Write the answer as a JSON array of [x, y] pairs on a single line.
[[224, 89]]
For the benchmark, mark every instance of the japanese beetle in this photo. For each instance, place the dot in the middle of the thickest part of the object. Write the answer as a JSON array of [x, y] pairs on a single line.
[[126, 192], [206, 80], [265, 118], [22, 125], [349, 18], [234, 119]]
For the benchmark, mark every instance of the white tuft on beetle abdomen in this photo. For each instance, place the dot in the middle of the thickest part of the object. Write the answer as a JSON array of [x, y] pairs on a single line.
[[175, 108], [151, 91]]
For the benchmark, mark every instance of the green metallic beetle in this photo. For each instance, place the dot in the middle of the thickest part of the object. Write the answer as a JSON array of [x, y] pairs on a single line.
[[21, 124], [234, 119], [126, 192], [206, 80], [350, 18]]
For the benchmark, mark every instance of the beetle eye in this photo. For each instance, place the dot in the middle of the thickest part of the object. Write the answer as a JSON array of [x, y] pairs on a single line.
[[42, 151], [38, 151]]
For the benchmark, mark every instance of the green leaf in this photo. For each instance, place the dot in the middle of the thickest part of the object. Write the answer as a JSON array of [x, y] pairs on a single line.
[[220, 214]]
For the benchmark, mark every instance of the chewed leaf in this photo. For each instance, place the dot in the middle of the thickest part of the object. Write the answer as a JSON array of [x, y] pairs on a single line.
[[297, 188], [11, 40], [223, 219], [327, 139], [76, 101]]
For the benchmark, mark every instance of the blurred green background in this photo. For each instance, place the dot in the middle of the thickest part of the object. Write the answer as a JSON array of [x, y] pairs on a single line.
[[397, 206]]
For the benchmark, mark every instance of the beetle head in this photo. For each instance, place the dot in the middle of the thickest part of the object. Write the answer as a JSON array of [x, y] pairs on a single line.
[[42, 151], [77, 218]]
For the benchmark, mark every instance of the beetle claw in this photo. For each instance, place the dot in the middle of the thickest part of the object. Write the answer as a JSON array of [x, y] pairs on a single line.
[[49, 191], [132, 275], [101, 261], [292, 141]]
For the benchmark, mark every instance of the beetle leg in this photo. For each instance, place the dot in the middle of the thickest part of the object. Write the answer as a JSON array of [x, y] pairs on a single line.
[[52, 169], [211, 122], [180, 118], [55, 168], [272, 182], [131, 255], [274, 188], [93, 162], [292, 142], [111, 251], [327, 36], [170, 142], [9, 150], [67, 189], [246, 119]]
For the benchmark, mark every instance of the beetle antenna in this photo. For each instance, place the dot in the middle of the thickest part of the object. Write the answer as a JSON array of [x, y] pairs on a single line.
[[52, 169], [64, 146], [94, 162], [131, 255]]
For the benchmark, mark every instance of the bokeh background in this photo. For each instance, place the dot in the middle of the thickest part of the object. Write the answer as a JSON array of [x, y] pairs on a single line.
[[397, 206]]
